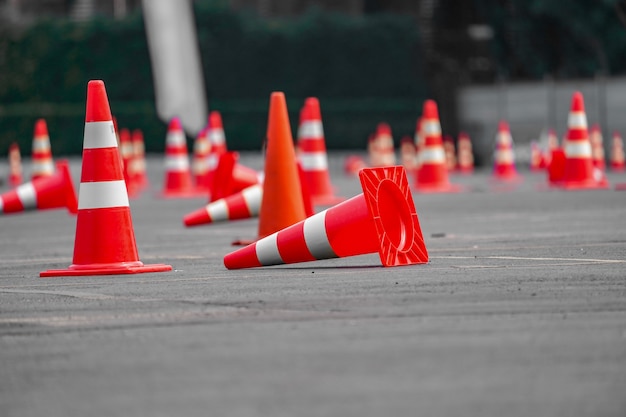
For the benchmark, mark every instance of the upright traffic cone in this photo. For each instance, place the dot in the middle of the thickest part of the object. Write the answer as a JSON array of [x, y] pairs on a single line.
[[504, 155], [105, 240], [127, 153], [450, 151], [432, 173], [42, 162], [200, 162], [408, 154], [383, 145], [537, 162], [282, 203], [231, 177], [617, 153], [177, 171], [48, 192], [382, 219], [312, 154], [578, 170], [465, 157], [139, 160], [15, 165], [217, 141], [597, 147]]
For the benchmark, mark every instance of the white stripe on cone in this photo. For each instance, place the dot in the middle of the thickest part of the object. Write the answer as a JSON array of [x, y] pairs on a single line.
[[315, 236], [99, 135], [504, 156], [41, 144], [43, 166], [103, 194], [176, 163], [432, 154], [252, 196], [313, 161], [217, 137], [267, 251], [217, 210], [577, 120], [27, 195], [175, 139], [578, 149], [311, 130], [431, 128]]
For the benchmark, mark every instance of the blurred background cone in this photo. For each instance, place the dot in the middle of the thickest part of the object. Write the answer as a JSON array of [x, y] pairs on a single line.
[[139, 160], [617, 153], [200, 161], [312, 154], [41, 157], [382, 219], [49, 192], [15, 165], [465, 154], [504, 155], [408, 154], [597, 147], [178, 183], [105, 240], [432, 172], [578, 170], [217, 141]]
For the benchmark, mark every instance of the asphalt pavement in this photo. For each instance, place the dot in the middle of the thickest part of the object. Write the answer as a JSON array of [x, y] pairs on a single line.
[[521, 311]]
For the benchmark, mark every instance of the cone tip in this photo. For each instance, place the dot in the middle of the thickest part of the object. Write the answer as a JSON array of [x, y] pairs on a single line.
[[383, 129], [215, 120], [578, 103], [503, 126], [174, 124], [98, 109], [430, 110], [41, 128], [313, 106]]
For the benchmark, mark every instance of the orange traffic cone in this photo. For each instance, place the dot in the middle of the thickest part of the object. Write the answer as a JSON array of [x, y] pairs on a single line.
[[42, 162], [504, 155], [231, 177], [105, 240], [617, 153], [597, 147], [578, 170], [49, 192], [382, 219], [200, 162], [432, 173], [465, 158], [450, 151], [312, 154], [177, 172], [15, 165], [139, 159], [408, 154]]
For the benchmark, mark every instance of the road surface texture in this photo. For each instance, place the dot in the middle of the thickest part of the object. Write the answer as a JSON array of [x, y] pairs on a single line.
[[521, 311]]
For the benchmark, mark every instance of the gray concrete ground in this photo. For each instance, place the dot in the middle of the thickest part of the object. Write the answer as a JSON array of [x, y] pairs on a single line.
[[521, 311]]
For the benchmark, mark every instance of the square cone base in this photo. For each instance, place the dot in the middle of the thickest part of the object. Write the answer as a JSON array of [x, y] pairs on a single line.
[[116, 269]]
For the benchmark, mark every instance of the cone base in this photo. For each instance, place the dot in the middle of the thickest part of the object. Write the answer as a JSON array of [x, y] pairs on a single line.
[[113, 270]]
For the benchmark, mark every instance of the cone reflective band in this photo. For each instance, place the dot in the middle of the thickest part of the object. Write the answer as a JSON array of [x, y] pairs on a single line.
[[241, 205], [105, 241], [578, 169], [382, 219], [312, 154], [432, 172], [55, 191], [42, 162]]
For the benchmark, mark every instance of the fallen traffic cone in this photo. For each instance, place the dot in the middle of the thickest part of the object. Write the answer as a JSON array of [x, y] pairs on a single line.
[[381, 219], [231, 177], [105, 240], [177, 172], [617, 153], [312, 154], [242, 205], [465, 158], [49, 192], [432, 174], [15, 165], [597, 147], [578, 170], [139, 160], [504, 155], [200, 162], [42, 162]]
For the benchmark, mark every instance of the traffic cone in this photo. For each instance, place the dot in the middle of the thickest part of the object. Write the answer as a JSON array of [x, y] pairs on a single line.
[[504, 155], [450, 151], [537, 162], [42, 162], [312, 154], [217, 140], [200, 162], [177, 172], [139, 160], [617, 153], [231, 177], [597, 147], [381, 219], [578, 170], [241, 205], [408, 154], [48, 192], [465, 158], [15, 165], [432, 174], [553, 143], [105, 241], [127, 154], [383, 144]]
